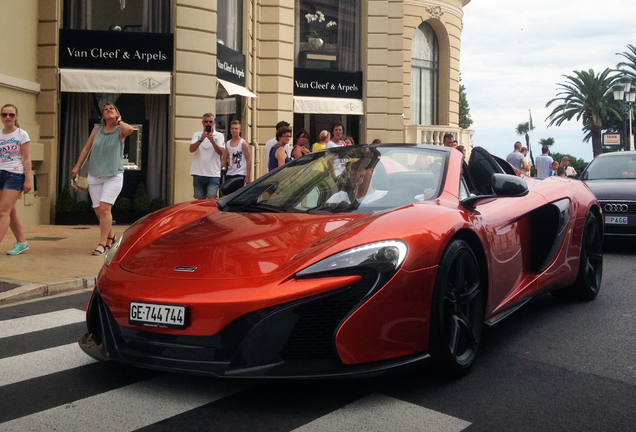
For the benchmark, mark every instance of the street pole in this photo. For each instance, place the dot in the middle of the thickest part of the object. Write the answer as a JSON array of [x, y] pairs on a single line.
[[630, 136]]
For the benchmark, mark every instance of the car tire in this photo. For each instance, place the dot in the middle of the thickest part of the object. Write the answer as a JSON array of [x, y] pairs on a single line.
[[588, 281], [590, 274], [457, 311]]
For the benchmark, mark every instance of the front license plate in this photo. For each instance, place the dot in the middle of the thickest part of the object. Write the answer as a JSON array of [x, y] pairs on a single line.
[[619, 220], [157, 315]]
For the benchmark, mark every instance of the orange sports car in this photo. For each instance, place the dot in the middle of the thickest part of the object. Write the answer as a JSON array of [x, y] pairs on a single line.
[[344, 262]]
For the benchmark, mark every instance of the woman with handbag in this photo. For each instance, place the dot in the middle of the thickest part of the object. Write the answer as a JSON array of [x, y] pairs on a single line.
[[105, 146], [15, 175]]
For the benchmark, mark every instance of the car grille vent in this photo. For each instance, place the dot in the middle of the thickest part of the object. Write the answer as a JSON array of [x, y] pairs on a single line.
[[313, 335]]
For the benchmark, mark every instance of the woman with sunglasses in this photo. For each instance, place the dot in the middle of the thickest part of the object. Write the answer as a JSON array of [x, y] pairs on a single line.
[[105, 170], [301, 139], [15, 175]]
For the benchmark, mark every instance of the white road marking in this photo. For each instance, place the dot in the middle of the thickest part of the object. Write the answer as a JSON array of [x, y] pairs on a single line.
[[379, 413], [18, 326], [39, 363], [129, 408]]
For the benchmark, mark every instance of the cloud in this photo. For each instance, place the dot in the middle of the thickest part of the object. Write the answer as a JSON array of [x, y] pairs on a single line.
[[515, 52]]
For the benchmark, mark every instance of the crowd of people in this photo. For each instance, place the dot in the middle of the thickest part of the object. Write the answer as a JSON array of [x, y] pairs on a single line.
[[545, 165], [104, 149]]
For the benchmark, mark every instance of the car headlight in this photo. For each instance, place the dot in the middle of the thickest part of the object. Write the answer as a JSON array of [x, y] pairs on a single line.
[[112, 251], [385, 256]]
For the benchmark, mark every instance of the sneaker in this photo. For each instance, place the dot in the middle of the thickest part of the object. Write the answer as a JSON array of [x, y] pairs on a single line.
[[18, 248]]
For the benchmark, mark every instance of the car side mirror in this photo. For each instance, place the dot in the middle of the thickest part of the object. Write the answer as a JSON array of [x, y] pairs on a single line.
[[508, 185], [503, 185]]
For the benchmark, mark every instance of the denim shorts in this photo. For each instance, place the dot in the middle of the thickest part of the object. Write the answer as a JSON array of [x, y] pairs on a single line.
[[11, 181], [205, 186]]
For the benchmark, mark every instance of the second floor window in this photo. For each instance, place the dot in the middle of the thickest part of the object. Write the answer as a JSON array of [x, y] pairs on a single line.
[[424, 76], [146, 16], [229, 17], [328, 34]]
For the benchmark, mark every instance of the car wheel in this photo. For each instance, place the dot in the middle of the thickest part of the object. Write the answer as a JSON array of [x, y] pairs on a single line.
[[457, 310], [588, 281]]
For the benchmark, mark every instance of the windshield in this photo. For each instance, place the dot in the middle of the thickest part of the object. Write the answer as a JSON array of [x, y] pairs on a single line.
[[352, 179], [611, 168]]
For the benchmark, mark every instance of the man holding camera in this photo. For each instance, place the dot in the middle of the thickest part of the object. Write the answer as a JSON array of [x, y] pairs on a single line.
[[205, 170]]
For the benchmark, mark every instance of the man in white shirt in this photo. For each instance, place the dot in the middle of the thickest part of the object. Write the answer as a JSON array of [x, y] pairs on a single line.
[[271, 143], [565, 163], [207, 146], [360, 174]]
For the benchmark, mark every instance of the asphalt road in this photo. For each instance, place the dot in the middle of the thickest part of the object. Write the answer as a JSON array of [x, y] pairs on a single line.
[[553, 366]]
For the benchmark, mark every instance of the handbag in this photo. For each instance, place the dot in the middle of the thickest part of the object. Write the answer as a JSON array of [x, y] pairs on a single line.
[[80, 183]]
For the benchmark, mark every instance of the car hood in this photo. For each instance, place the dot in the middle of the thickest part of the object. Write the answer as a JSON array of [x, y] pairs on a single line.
[[225, 245], [613, 189]]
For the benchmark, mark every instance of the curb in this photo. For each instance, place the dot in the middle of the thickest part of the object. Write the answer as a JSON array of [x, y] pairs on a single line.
[[29, 290]]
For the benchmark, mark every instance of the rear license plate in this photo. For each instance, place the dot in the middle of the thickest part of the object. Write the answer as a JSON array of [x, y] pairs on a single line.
[[157, 315], [620, 220]]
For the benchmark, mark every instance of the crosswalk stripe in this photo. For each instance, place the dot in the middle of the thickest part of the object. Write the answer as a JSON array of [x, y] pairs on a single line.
[[380, 413], [33, 323], [39, 363], [129, 408]]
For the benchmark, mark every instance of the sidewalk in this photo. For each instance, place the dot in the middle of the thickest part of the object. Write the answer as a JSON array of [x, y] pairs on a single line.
[[59, 259]]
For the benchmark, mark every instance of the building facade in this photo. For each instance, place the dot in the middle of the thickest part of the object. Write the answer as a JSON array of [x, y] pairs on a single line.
[[385, 69]]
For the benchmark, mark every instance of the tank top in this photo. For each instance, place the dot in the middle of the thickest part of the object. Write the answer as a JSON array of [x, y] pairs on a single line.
[[273, 162], [238, 164], [107, 154]]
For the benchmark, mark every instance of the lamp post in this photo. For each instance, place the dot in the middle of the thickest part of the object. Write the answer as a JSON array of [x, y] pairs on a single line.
[[626, 94]]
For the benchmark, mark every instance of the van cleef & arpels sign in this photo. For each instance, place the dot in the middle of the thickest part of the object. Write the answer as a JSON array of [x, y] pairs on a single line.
[[327, 83], [84, 49]]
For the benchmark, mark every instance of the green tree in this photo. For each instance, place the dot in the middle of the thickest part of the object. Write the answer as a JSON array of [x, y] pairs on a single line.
[[586, 96], [546, 142], [464, 110], [524, 129], [630, 55]]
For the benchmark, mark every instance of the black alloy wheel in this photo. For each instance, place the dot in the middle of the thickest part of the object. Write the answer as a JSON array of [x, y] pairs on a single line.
[[588, 281], [457, 310]]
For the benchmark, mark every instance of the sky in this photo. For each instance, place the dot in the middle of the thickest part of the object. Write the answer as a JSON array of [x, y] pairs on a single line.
[[515, 52]]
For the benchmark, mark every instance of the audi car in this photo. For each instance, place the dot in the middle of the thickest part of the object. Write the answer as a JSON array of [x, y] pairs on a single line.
[[612, 178], [344, 262]]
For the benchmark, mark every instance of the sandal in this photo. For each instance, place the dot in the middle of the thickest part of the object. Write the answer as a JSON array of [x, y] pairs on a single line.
[[96, 251], [112, 239]]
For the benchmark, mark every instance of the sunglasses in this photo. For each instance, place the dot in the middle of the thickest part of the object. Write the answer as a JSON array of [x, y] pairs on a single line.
[[208, 121], [10, 115]]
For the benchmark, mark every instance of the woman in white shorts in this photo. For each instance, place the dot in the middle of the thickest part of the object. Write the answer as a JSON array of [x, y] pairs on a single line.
[[105, 170]]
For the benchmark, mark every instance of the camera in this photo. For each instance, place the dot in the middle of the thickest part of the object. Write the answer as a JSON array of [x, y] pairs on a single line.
[[208, 128]]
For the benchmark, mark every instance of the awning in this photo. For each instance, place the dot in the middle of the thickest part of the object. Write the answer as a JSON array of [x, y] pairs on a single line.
[[235, 89], [114, 81], [318, 105]]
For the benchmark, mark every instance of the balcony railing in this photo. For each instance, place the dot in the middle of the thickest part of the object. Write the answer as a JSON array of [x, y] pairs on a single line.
[[424, 134]]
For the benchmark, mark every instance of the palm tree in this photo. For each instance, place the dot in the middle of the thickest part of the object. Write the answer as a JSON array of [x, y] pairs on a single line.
[[546, 142], [585, 96], [631, 56], [524, 129]]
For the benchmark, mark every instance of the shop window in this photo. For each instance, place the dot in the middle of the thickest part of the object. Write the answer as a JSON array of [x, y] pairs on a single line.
[[424, 76], [328, 34], [147, 16]]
